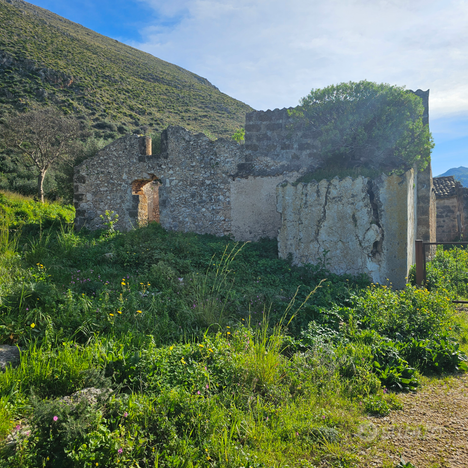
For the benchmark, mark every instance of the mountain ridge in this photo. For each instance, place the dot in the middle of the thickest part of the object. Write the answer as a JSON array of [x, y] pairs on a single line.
[[459, 173], [49, 60]]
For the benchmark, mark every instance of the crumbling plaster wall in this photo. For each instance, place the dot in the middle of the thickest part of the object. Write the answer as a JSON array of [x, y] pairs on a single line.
[[366, 226]]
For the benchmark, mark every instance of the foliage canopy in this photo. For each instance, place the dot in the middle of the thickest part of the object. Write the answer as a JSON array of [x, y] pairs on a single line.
[[366, 123]]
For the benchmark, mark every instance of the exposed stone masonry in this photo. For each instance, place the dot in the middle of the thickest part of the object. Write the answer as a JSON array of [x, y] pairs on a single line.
[[194, 174], [248, 191], [272, 146], [452, 209]]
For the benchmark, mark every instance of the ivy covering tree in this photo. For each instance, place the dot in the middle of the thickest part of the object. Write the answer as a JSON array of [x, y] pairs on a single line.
[[365, 123]]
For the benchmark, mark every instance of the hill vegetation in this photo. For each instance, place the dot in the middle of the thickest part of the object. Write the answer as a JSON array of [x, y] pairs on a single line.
[[189, 350], [116, 89], [111, 88], [459, 173]]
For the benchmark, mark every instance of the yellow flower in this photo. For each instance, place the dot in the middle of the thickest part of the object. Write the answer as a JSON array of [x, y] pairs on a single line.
[[119, 312], [182, 361], [138, 311], [170, 348], [33, 325], [209, 349], [111, 315], [201, 346], [122, 283]]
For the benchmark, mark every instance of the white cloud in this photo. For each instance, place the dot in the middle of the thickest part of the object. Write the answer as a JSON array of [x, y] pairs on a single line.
[[269, 53]]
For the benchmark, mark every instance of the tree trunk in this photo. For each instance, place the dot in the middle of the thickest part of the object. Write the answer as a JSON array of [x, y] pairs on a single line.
[[40, 184]]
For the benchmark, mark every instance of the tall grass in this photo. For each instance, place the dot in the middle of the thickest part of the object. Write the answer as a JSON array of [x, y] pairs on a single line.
[[216, 354]]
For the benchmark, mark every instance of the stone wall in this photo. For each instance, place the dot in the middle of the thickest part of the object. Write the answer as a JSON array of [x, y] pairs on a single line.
[[187, 186], [222, 188], [465, 213], [448, 219], [194, 184], [452, 209], [273, 147], [364, 226]]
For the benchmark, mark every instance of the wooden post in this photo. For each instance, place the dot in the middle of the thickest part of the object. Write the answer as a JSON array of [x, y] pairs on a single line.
[[419, 262]]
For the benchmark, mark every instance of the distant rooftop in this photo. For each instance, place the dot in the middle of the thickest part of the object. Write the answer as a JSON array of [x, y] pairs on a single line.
[[446, 186]]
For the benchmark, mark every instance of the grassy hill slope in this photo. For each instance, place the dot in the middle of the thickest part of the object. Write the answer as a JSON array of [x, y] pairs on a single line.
[[48, 60]]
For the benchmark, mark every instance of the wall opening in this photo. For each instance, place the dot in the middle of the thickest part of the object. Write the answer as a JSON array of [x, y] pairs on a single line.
[[145, 201]]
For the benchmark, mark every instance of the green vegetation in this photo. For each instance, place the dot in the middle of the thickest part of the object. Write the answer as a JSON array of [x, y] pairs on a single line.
[[114, 88], [203, 352], [367, 124], [239, 135], [49, 62]]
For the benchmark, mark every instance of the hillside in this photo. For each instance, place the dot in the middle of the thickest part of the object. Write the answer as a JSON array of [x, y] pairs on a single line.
[[459, 173], [116, 89]]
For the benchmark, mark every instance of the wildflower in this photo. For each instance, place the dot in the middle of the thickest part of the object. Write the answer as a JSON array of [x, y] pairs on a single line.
[[18, 427], [55, 418], [138, 311], [201, 346], [182, 361], [210, 350], [171, 348], [119, 312], [33, 325], [111, 315], [125, 414], [198, 393], [120, 450]]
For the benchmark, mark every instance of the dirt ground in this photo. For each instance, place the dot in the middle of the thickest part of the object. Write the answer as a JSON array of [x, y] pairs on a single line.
[[431, 431]]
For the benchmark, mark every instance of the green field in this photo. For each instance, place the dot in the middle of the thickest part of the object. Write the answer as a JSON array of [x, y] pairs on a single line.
[[206, 352]]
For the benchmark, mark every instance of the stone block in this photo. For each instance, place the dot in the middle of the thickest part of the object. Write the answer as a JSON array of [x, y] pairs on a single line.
[[274, 127], [252, 128]]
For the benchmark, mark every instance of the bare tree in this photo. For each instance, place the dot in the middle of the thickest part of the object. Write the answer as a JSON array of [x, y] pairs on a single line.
[[44, 137]]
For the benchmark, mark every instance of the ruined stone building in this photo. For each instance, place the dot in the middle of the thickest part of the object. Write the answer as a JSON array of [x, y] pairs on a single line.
[[251, 191], [452, 209]]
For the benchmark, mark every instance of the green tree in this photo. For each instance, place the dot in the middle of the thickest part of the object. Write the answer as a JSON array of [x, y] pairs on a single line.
[[43, 137], [365, 123]]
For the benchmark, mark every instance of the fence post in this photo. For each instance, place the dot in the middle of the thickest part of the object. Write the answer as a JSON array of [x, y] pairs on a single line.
[[419, 262]]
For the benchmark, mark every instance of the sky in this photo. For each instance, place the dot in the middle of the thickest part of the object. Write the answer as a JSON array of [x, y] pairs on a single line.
[[270, 53]]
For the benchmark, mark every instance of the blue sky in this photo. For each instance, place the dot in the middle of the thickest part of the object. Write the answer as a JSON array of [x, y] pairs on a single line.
[[270, 53]]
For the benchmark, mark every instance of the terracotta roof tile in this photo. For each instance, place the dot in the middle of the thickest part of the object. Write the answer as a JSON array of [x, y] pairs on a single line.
[[445, 186]]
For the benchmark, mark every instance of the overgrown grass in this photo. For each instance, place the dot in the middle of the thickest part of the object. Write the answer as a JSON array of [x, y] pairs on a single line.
[[206, 352]]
